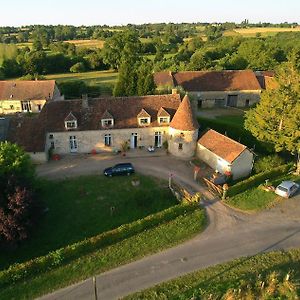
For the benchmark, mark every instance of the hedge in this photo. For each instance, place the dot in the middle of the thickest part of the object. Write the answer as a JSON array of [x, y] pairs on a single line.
[[66, 254], [257, 180]]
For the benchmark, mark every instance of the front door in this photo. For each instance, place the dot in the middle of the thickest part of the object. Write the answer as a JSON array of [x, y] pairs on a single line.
[[73, 144], [157, 139], [133, 140], [232, 100]]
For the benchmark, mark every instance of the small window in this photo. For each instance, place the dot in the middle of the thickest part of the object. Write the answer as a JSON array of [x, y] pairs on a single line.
[[39, 106], [11, 107], [164, 120], [144, 121], [107, 140], [107, 122], [71, 124], [180, 146], [247, 103], [51, 137], [52, 145]]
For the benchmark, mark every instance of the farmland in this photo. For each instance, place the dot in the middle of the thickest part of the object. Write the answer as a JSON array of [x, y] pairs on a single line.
[[87, 43]]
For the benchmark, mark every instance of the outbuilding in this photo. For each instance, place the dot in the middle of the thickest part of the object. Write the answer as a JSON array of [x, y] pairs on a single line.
[[224, 154]]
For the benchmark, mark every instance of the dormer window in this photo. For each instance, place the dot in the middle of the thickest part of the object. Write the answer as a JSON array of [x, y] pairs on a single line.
[[70, 122], [144, 118], [107, 120], [163, 120], [163, 116], [144, 121]]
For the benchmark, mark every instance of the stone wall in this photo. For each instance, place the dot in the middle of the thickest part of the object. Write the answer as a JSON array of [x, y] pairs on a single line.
[[182, 143], [88, 141], [244, 98]]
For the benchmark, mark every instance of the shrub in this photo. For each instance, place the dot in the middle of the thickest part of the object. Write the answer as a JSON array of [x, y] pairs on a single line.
[[257, 179], [64, 255], [267, 163], [78, 67]]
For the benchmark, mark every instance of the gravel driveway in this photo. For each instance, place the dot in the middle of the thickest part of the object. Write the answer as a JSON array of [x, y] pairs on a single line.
[[230, 234]]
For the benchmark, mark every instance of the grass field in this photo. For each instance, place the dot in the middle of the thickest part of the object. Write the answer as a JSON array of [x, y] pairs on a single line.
[[87, 43], [256, 199], [239, 274], [81, 208], [252, 32], [150, 241], [102, 80]]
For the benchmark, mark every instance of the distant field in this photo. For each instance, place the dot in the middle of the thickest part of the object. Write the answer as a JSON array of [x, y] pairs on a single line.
[[22, 45], [101, 81], [87, 43], [95, 77], [251, 32]]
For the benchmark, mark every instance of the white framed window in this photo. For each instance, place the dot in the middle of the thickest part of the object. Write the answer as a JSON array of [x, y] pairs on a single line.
[[144, 121], [164, 120], [26, 106], [107, 140], [71, 124], [107, 122]]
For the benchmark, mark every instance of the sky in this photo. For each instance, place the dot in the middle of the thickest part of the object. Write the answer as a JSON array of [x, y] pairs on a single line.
[[122, 12]]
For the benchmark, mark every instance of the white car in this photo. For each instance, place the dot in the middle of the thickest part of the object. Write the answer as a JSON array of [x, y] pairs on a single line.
[[287, 189]]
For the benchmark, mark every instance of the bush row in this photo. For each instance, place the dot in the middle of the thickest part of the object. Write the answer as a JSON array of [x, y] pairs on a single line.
[[257, 179], [64, 255]]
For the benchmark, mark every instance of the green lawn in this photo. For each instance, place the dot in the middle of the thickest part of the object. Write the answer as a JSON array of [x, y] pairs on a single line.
[[242, 273], [256, 199], [150, 241], [253, 200], [85, 206]]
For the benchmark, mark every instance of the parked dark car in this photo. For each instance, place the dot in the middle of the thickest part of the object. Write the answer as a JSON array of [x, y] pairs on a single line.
[[119, 169]]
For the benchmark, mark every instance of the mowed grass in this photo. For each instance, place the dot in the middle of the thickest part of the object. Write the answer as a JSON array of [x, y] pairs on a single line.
[[214, 282], [83, 207], [148, 242], [254, 199], [251, 32], [87, 43], [257, 199]]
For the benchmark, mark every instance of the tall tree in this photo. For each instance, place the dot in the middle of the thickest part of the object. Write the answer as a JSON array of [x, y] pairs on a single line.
[[276, 118]]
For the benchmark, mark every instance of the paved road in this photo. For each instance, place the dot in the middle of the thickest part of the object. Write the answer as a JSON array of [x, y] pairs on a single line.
[[229, 235]]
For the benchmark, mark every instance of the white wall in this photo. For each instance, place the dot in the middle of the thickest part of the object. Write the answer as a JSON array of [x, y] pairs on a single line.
[[38, 157], [242, 165]]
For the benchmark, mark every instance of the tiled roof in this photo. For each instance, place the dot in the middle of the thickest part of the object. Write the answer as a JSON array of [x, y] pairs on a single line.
[[143, 114], [221, 145], [267, 80], [31, 133], [27, 90], [70, 117], [164, 79], [27, 132], [107, 115], [163, 113], [184, 118], [194, 81]]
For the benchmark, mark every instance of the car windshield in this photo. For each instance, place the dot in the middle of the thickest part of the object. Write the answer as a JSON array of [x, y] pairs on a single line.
[[283, 189]]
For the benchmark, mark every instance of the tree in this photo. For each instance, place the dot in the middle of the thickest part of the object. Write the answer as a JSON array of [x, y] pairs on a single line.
[[78, 67], [18, 205], [276, 118]]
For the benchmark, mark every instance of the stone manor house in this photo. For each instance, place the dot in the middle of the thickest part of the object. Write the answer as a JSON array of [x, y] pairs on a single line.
[[106, 124]]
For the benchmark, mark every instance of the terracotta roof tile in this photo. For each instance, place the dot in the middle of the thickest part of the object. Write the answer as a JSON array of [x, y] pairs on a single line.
[[163, 79], [194, 81], [107, 115], [221, 145], [124, 110], [70, 117], [143, 114], [163, 113], [184, 118], [27, 90]]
